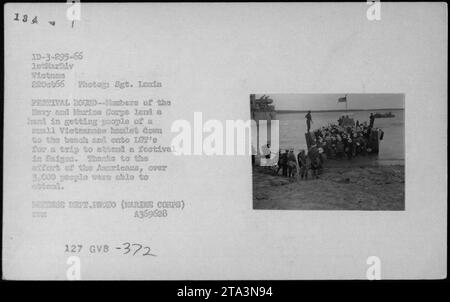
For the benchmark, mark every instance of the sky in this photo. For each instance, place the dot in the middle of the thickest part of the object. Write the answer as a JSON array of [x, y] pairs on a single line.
[[330, 101]]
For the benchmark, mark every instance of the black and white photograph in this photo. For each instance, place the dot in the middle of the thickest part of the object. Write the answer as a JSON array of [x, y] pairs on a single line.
[[335, 152]]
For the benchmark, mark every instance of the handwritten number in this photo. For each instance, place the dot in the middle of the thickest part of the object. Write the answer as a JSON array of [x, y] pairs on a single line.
[[127, 247], [25, 18], [137, 250], [147, 253]]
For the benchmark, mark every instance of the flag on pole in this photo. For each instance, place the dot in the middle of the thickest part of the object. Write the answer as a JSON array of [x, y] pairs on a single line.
[[343, 100]]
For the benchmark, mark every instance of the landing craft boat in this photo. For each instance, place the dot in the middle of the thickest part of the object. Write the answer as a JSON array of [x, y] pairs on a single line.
[[262, 109], [384, 115], [371, 141]]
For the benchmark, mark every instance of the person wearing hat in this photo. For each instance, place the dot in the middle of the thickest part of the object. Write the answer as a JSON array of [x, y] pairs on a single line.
[[285, 162], [301, 158], [315, 161], [281, 161]]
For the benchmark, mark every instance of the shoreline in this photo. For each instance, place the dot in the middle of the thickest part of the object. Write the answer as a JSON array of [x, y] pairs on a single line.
[[342, 185]]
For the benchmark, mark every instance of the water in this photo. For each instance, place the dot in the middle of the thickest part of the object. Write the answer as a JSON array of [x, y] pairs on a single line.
[[392, 149]]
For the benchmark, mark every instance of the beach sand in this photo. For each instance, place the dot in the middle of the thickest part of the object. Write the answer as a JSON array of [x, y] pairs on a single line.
[[343, 185]]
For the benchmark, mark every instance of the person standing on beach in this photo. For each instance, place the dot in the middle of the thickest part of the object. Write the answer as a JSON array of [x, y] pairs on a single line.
[[284, 163], [308, 120], [301, 157], [291, 163], [279, 163]]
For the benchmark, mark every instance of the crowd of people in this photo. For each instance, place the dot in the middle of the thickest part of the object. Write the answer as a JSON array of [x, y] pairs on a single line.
[[347, 138], [303, 164]]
